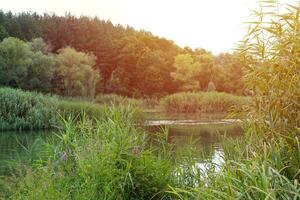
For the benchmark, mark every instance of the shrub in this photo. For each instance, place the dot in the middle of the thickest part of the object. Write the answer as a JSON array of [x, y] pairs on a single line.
[[25, 110], [21, 110]]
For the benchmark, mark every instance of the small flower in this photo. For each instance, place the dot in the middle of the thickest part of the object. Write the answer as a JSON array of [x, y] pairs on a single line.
[[64, 156], [136, 150]]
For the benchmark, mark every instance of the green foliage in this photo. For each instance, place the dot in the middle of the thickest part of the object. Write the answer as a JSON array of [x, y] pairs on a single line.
[[25, 66], [3, 33], [187, 69], [25, 110], [202, 102], [20, 110], [228, 74], [15, 59], [76, 70], [132, 63], [41, 71], [253, 169], [271, 49], [38, 44], [107, 161]]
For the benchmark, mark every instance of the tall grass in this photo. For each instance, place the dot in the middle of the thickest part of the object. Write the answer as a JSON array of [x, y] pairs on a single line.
[[265, 164], [22, 110], [113, 160], [117, 100], [253, 169], [110, 160], [202, 102], [25, 110]]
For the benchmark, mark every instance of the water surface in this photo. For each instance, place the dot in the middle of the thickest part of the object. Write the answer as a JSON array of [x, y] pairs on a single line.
[[16, 146], [205, 133]]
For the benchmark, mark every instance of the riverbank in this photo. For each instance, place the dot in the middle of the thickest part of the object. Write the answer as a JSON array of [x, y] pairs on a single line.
[[22, 110], [112, 159]]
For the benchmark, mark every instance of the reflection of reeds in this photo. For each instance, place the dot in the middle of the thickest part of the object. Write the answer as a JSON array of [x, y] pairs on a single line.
[[17, 149], [110, 158]]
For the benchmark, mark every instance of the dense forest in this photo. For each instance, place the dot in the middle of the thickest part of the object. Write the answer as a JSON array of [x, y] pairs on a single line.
[[79, 56]]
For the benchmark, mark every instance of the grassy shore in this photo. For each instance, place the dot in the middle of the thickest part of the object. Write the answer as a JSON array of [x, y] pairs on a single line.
[[22, 110], [112, 159]]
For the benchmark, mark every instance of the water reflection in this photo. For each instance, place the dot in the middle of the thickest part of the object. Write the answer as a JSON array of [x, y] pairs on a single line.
[[204, 139], [215, 161], [21, 147]]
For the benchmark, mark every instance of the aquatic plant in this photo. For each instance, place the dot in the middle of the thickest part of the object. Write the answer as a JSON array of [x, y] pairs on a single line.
[[202, 102]]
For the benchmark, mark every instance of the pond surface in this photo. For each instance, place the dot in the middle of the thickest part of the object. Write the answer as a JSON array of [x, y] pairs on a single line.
[[205, 132], [18, 146], [202, 132]]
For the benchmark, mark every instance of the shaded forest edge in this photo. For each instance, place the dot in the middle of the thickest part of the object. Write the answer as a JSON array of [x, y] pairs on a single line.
[[116, 59]]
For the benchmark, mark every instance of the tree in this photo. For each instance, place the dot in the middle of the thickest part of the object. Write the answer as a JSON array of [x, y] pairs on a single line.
[[186, 71], [39, 45], [116, 48], [40, 73], [76, 70], [15, 59], [3, 33], [206, 67], [229, 73], [153, 72], [25, 67]]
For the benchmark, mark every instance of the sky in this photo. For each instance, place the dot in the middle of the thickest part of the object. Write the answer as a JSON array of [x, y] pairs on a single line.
[[215, 25]]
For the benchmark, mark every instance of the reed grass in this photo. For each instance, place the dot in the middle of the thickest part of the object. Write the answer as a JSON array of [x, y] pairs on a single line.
[[202, 102], [23, 110], [110, 158], [107, 160]]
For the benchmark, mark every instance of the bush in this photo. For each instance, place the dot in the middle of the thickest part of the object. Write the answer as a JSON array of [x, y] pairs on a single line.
[[21, 110], [205, 102], [25, 110]]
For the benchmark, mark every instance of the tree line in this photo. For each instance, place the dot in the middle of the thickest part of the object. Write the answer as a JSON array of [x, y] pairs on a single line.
[[85, 56]]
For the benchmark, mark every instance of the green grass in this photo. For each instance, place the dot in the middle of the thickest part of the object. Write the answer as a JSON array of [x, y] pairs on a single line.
[[117, 100], [22, 110], [110, 158], [25, 110], [253, 169], [202, 102]]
